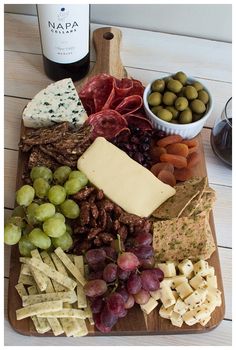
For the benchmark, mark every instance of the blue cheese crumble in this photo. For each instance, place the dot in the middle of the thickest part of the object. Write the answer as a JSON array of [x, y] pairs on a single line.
[[57, 103]]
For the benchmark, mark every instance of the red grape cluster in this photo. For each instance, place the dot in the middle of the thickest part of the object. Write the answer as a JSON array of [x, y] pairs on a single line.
[[117, 281]]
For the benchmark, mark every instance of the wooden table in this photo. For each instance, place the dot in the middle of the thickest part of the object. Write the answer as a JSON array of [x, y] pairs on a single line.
[[146, 55]]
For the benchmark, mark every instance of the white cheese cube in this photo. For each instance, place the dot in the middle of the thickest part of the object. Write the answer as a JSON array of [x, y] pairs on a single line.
[[197, 282], [180, 307], [156, 294], [175, 294], [204, 321], [166, 282], [195, 299], [210, 305], [200, 267], [184, 290], [176, 319], [149, 306], [189, 318], [211, 281], [214, 296], [202, 312], [186, 267], [166, 312], [168, 269], [167, 296], [178, 280]]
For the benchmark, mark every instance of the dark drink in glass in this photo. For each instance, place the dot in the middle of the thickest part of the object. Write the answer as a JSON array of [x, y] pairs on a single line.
[[221, 135]]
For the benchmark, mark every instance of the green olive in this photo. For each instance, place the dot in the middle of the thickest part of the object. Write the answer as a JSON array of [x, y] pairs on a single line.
[[197, 117], [154, 99], [158, 85], [174, 121], [164, 114], [198, 86], [169, 98], [174, 85], [181, 103], [197, 106], [167, 79], [185, 117], [156, 109], [190, 92], [182, 77], [203, 96], [174, 112]]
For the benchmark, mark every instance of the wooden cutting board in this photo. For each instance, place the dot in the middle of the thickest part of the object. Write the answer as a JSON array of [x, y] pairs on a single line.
[[107, 46]]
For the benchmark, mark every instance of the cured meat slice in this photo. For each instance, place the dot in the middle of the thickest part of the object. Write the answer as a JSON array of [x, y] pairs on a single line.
[[123, 87], [129, 105], [135, 121], [107, 123]]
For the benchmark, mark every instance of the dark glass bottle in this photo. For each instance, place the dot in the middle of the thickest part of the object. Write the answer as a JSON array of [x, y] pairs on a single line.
[[64, 33]]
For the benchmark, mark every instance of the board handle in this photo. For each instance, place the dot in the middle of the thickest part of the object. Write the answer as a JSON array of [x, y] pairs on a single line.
[[107, 47]]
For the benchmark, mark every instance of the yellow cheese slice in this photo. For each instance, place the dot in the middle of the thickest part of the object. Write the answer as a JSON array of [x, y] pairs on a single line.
[[134, 188]]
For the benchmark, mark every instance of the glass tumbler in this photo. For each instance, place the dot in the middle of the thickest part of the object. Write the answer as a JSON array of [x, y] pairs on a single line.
[[221, 135]]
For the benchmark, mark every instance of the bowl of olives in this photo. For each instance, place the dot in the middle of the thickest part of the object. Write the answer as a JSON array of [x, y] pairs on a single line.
[[178, 104]]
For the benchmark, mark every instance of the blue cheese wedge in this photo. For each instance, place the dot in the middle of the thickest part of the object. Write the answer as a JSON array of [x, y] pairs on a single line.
[[57, 103], [134, 188]]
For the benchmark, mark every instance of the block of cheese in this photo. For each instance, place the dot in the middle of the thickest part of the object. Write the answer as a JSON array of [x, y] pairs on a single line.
[[57, 103], [127, 183]]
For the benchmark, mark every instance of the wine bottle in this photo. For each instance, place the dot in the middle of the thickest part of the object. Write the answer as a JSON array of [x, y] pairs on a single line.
[[64, 33]]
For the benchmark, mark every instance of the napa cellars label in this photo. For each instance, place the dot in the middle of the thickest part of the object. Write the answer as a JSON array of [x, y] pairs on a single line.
[[64, 32]]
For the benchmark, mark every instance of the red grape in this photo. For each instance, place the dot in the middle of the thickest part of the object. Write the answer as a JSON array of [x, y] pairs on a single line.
[[98, 267], [95, 288], [143, 239], [110, 252], [108, 318], [115, 304], [147, 263], [110, 272], [123, 275], [96, 305], [150, 281], [123, 292], [94, 256], [130, 302], [143, 251], [123, 313], [100, 326], [142, 297], [128, 261], [94, 275], [134, 283], [159, 274]]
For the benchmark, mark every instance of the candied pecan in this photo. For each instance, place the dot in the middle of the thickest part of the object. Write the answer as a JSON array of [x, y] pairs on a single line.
[[93, 222], [100, 194], [109, 223], [80, 230], [106, 237], [84, 193], [102, 219], [92, 197], [106, 204], [81, 247], [145, 228], [117, 210], [116, 225], [84, 213], [131, 219], [94, 232], [123, 232], [94, 210], [97, 242]]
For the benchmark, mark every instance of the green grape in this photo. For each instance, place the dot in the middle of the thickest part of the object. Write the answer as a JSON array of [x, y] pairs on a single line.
[[54, 227], [30, 213], [19, 211], [17, 221], [25, 195], [41, 187], [39, 238], [12, 234], [41, 171], [76, 174], [70, 209], [61, 174], [65, 241], [69, 229], [45, 211], [57, 194], [72, 186], [25, 246], [60, 216]]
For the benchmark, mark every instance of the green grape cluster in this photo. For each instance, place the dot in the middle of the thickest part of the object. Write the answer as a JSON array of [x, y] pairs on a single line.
[[42, 217]]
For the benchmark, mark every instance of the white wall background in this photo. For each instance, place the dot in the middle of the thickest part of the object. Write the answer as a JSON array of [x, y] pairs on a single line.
[[203, 21]]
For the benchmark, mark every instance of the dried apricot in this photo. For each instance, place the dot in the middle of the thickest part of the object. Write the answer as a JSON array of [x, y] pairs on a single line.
[[193, 159], [167, 177], [178, 161], [178, 148], [168, 140], [183, 174], [156, 168], [191, 143], [192, 149], [156, 151]]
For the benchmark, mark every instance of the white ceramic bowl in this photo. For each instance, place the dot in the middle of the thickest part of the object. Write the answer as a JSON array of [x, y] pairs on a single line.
[[187, 131]]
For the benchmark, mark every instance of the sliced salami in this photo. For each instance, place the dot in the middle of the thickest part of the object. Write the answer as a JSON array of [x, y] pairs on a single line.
[[135, 121], [129, 105], [107, 123]]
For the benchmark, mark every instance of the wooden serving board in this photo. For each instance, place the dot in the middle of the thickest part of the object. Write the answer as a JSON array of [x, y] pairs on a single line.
[[107, 43]]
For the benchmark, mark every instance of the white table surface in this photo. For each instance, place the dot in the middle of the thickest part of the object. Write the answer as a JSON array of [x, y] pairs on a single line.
[[146, 55]]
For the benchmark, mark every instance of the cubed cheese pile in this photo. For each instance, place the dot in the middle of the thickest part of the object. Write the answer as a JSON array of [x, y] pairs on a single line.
[[188, 292]]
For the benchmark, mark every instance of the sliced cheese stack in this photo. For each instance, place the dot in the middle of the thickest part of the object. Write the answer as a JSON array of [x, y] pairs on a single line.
[[134, 188], [57, 103]]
